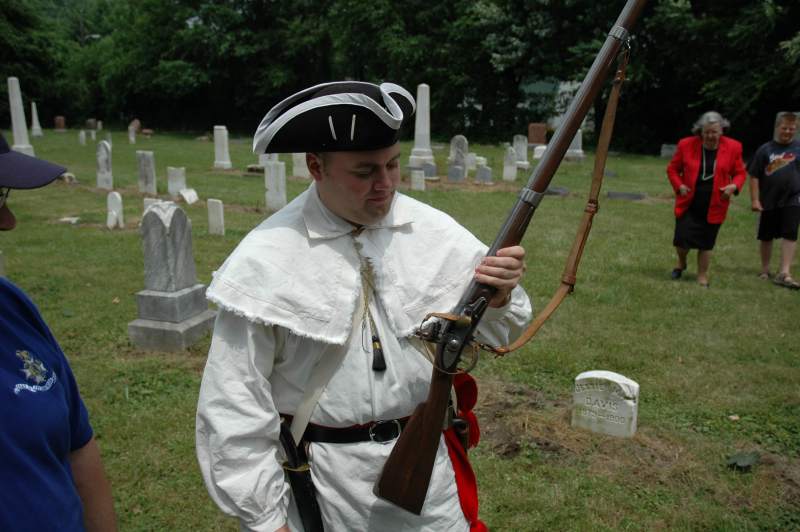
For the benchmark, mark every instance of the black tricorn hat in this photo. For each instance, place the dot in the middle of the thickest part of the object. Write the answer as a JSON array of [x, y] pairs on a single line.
[[337, 116]]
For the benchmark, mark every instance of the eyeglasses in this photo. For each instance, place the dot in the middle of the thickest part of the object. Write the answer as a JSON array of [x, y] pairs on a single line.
[[4, 192]]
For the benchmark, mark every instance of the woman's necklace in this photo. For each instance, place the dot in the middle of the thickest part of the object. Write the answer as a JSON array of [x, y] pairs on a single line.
[[703, 176]]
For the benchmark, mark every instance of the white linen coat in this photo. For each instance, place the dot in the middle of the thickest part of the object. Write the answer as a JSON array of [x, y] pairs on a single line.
[[287, 297]]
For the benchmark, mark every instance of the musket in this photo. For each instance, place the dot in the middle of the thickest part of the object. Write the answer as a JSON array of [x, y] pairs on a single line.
[[406, 474]]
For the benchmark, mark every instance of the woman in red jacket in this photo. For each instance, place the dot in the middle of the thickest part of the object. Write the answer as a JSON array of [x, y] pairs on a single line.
[[706, 170]]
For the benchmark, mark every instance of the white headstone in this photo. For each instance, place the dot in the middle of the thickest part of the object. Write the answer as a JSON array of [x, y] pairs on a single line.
[[422, 153], [417, 180], [299, 166], [18, 125], [510, 165], [149, 202], [99, 125], [147, 172], [472, 162], [82, 137], [605, 402], [93, 134], [105, 179], [36, 127], [575, 150], [275, 183], [216, 217], [222, 158], [176, 180], [538, 151], [115, 217], [131, 135], [668, 150], [189, 195], [521, 149]]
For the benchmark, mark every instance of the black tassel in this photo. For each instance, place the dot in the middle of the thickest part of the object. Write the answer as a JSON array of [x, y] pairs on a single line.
[[378, 362]]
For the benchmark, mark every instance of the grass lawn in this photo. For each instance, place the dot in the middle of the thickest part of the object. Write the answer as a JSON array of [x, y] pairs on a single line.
[[719, 368]]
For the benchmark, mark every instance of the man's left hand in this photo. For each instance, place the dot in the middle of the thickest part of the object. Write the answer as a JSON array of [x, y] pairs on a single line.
[[503, 272], [728, 191]]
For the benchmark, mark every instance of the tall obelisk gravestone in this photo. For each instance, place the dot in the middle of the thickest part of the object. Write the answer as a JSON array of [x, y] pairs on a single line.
[[19, 127], [173, 312], [421, 154]]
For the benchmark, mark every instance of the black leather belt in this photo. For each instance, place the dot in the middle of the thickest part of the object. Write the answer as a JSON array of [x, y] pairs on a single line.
[[377, 431]]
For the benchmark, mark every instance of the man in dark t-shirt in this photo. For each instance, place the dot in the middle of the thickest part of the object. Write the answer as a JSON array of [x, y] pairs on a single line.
[[775, 193]]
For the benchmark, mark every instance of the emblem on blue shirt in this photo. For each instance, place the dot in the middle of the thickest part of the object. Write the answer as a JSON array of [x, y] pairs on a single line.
[[35, 371]]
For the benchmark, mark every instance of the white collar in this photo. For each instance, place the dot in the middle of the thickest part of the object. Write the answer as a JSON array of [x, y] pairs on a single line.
[[321, 222]]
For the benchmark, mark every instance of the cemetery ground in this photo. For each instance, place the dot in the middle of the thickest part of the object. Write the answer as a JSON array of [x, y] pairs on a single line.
[[718, 368]]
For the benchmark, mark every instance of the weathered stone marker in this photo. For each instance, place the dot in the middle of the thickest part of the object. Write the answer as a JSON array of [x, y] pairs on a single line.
[[173, 312], [176, 180], [275, 183], [459, 148], [575, 150], [537, 133], [105, 178], [115, 216], [59, 124], [19, 127], [147, 172], [521, 149], [216, 217], [36, 127], [418, 180], [422, 153], [222, 158], [510, 165], [605, 402], [299, 166], [82, 137]]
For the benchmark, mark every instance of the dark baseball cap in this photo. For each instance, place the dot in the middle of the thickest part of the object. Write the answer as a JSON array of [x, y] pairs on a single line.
[[18, 170]]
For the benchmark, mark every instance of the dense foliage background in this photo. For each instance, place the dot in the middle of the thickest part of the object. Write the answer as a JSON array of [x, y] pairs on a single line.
[[188, 64]]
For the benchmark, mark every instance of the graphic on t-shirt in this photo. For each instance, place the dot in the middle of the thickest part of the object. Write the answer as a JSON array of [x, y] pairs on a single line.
[[34, 370], [778, 161]]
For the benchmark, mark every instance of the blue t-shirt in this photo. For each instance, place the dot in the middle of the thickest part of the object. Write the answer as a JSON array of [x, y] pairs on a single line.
[[42, 420]]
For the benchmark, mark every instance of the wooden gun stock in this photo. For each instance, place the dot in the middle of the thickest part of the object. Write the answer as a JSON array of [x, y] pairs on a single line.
[[407, 472]]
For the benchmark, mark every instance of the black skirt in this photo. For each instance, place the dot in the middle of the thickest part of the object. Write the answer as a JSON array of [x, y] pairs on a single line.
[[692, 231]]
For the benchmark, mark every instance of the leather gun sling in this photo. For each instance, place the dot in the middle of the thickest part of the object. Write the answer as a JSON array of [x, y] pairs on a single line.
[[569, 276]]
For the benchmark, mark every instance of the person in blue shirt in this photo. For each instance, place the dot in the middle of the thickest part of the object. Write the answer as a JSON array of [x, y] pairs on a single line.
[[51, 473]]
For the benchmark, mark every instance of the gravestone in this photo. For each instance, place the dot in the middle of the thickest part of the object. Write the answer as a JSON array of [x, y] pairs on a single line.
[[99, 125], [299, 166], [556, 191], [575, 150], [537, 133], [510, 165], [216, 217], [91, 123], [147, 172], [459, 148], [36, 127], [19, 127], [668, 150], [59, 124], [417, 180], [605, 402], [93, 134], [430, 171], [483, 175], [136, 124], [105, 179], [275, 183], [115, 216], [222, 158], [421, 152], [82, 137], [131, 135], [521, 149], [538, 151], [472, 161], [149, 202], [176, 180], [108, 139], [172, 309], [189, 195]]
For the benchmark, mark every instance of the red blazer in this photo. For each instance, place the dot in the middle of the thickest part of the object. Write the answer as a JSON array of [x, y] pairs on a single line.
[[685, 165]]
